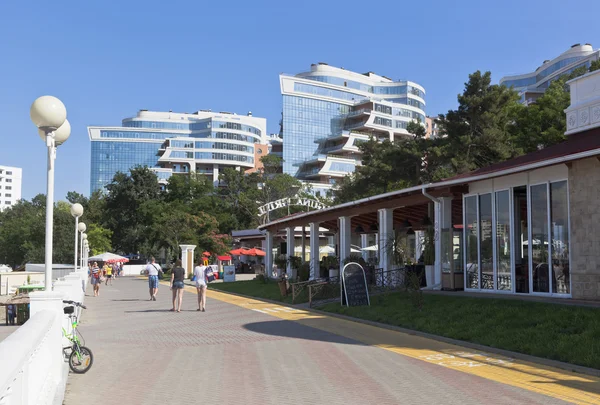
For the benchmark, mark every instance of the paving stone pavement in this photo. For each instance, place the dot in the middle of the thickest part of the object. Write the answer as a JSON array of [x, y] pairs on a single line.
[[144, 354]]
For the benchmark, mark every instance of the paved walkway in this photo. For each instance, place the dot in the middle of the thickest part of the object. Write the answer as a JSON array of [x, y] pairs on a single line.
[[245, 351]]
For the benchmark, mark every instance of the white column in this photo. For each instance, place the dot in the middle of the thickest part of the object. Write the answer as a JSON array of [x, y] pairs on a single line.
[[386, 233], [289, 233], [314, 250], [215, 175], [303, 244], [419, 243], [364, 242], [443, 220], [76, 242], [269, 254], [49, 211], [345, 232], [187, 258]]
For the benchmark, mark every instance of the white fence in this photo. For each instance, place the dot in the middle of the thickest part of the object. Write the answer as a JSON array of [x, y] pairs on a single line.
[[33, 370]]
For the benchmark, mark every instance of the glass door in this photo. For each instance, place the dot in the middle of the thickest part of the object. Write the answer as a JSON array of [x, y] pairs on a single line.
[[521, 242]]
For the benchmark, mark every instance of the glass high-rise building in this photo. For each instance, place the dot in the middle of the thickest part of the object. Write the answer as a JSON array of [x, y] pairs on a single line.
[[204, 142], [328, 111], [532, 85]]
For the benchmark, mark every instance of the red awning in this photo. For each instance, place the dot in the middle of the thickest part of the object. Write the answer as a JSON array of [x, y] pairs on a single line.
[[224, 258]]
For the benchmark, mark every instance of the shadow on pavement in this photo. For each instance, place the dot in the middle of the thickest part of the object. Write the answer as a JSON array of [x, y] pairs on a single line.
[[294, 330], [149, 310], [323, 329]]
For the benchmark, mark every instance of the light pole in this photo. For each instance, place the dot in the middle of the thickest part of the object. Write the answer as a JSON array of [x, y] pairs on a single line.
[[81, 227], [83, 247], [76, 211], [86, 249], [50, 116]]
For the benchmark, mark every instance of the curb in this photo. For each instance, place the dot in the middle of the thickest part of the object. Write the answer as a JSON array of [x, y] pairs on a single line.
[[507, 353]]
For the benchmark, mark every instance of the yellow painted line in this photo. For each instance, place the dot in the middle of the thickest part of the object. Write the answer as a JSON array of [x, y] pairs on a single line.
[[549, 381]]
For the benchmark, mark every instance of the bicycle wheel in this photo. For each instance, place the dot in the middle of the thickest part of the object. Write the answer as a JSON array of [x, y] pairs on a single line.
[[81, 363]]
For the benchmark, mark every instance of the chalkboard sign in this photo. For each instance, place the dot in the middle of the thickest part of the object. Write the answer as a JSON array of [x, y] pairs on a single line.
[[354, 284]]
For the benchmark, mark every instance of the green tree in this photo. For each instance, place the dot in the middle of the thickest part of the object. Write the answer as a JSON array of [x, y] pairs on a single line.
[[127, 193], [477, 133], [544, 122], [99, 239]]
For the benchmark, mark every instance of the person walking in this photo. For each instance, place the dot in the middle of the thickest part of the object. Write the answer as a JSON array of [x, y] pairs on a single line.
[[152, 269], [95, 279], [177, 276], [109, 274], [200, 274]]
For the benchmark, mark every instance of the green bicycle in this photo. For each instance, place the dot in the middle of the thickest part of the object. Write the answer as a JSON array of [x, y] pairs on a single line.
[[80, 357]]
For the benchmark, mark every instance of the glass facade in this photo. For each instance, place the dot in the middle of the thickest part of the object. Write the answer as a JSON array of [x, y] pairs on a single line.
[[304, 121], [108, 158], [517, 240], [114, 153]]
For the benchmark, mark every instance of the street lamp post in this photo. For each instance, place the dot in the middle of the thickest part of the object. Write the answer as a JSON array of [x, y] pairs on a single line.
[[76, 211], [81, 227], [84, 244], [50, 116], [86, 249]]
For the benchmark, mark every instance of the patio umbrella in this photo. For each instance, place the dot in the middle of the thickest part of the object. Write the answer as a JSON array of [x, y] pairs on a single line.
[[237, 252], [255, 252], [373, 248], [205, 253], [108, 257]]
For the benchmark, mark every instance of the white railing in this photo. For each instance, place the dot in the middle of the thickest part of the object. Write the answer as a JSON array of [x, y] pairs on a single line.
[[32, 367], [32, 361]]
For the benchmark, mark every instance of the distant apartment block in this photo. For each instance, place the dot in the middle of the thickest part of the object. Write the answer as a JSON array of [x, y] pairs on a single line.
[[532, 85], [432, 128], [203, 142], [328, 111], [10, 186]]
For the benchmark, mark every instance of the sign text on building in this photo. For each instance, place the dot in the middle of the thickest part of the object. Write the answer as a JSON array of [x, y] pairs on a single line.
[[285, 202]]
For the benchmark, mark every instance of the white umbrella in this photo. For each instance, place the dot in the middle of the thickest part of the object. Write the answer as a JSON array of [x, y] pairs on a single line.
[[373, 248], [108, 257]]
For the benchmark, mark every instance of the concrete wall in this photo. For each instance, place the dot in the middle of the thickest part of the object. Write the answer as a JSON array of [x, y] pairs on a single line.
[[10, 281], [584, 195]]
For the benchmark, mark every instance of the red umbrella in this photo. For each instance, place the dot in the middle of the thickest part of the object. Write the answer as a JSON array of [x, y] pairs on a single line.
[[256, 252], [206, 254], [237, 252]]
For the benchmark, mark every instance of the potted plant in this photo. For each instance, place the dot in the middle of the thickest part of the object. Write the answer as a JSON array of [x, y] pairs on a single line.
[[332, 265], [281, 263], [295, 262]]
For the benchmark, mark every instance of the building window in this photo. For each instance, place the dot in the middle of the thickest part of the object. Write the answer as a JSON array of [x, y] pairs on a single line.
[[517, 240], [8, 195], [8, 187], [9, 180], [8, 173]]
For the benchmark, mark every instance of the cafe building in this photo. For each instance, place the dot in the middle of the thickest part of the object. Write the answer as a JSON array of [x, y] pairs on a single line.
[[526, 226]]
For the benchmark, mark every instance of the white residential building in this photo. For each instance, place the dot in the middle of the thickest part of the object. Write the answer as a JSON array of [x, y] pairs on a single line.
[[203, 142], [10, 186], [328, 111]]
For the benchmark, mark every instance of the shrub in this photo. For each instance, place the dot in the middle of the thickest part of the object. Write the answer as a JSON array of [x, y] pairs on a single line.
[[304, 272]]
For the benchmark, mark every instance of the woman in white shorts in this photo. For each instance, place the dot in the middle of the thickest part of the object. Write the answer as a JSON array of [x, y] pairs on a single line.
[[200, 273]]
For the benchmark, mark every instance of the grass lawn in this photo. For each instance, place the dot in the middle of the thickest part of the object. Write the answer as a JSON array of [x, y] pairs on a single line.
[[259, 289], [559, 332]]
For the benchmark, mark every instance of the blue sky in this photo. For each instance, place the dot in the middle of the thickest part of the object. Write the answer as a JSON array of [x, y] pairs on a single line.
[[106, 60]]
